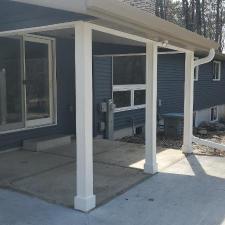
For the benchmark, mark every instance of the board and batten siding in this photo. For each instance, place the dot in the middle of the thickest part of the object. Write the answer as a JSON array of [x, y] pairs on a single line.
[[65, 101]]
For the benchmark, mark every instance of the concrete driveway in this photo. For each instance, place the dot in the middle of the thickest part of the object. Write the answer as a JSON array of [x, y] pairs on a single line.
[[190, 192]]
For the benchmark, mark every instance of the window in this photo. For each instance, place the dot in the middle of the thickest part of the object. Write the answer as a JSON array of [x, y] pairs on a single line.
[[196, 71], [26, 82], [122, 98], [128, 70], [129, 82], [216, 70], [214, 114], [139, 97]]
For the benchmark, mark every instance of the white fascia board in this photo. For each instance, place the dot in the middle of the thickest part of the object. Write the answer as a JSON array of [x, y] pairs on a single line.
[[78, 6], [115, 14], [121, 13]]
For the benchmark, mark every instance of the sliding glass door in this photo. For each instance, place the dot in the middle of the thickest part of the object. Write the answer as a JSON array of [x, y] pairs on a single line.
[[38, 81], [11, 91], [26, 82]]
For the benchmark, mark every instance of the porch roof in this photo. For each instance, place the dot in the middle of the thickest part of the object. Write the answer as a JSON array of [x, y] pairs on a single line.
[[121, 16]]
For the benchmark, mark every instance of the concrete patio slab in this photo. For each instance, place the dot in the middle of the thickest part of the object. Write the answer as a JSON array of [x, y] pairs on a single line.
[[58, 185], [50, 174], [19, 164], [188, 192], [132, 156], [99, 146]]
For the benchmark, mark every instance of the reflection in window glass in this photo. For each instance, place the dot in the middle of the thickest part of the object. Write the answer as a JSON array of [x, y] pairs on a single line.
[[139, 97], [37, 80], [216, 70], [10, 81], [214, 114], [122, 98], [129, 70]]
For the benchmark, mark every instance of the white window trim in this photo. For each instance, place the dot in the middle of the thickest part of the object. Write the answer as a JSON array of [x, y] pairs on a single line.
[[127, 87], [132, 89], [214, 107], [197, 71], [219, 75], [46, 122]]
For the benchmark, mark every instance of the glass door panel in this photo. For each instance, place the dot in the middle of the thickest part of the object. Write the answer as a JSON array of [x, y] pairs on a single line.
[[11, 101], [38, 82]]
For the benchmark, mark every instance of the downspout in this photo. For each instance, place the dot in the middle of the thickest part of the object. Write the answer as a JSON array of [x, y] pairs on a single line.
[[197, 140], [205, 60]]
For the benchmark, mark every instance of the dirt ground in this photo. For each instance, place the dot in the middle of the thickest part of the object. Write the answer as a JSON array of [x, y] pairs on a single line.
[[176, 143]]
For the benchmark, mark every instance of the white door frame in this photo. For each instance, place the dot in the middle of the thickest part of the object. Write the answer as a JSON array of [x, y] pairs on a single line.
[[50, 119]]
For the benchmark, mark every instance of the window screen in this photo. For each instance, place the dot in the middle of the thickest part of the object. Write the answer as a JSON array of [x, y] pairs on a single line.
[[129, 70]]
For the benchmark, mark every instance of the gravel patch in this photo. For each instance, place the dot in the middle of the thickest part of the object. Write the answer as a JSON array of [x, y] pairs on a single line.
[[176, 143]]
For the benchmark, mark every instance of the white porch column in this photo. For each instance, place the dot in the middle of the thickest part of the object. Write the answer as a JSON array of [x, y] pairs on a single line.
[[188, 102], [151, 108], [85, 199]]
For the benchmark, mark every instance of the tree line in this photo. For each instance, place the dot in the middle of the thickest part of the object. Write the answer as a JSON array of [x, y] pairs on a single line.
[[205, 17]]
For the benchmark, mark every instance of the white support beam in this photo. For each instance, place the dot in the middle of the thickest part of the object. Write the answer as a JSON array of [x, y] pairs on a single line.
[[58, 26], [188, 102], [151, 166], [85, 199], [118, 33]]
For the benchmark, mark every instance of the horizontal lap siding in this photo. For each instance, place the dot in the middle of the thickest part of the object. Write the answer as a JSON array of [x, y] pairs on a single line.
[[171, 74], [209, 93], [102, 74], [14, 15], [65, 99], [102, 87], [110, 49], [171, 83], [129, 118]]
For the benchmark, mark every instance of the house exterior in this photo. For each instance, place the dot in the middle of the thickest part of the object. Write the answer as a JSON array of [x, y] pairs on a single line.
[[209, 90], [56, 70]]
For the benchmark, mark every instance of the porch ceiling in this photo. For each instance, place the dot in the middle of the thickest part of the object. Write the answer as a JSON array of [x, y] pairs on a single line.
[[120, 16], [14, 15]]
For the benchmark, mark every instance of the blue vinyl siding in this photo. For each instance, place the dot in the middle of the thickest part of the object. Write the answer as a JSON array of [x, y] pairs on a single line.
[[128, 118], [111, 49], [65, 100], [14, 15], [171, 83], [209, 93], [102, 78], [171, 69], [102, 87]]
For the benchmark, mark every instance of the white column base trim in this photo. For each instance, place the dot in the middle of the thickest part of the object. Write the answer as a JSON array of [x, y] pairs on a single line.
[[85, 204], [151, 169], [188, 149]]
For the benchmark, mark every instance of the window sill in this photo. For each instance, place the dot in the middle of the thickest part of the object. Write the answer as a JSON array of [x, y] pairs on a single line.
[[216, 79], [27, 129], [129, 108]]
